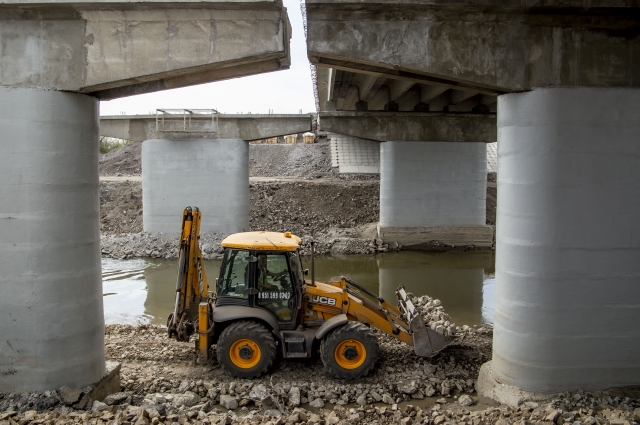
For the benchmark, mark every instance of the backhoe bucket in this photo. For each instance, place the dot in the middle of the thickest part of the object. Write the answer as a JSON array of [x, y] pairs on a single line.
[[426, 341]]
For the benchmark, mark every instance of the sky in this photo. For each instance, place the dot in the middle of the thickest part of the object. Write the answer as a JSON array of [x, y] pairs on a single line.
[[287, 91]]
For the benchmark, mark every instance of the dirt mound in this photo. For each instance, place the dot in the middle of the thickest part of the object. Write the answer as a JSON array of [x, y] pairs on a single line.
[[120, 207], [265, 160], [306, 208], [125, 161], [296, 160], [303, 208]]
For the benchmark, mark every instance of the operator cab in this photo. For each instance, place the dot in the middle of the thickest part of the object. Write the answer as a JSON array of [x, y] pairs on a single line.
[[262, 269]]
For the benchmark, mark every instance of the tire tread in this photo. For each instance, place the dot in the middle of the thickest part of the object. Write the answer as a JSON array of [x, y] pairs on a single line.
[[342, 332], [244, 328]]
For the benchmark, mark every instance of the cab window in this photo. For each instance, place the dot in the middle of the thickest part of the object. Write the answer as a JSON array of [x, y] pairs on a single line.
[[234, 274], [296, 267]]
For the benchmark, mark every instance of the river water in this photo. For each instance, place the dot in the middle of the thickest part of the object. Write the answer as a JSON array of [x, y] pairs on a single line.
[[143, 290]]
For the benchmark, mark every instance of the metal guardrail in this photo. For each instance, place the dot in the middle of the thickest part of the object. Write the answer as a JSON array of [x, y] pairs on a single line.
[[187, 120]]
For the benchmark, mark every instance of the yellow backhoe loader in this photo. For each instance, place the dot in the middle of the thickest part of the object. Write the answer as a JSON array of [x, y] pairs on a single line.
[[263, 304]]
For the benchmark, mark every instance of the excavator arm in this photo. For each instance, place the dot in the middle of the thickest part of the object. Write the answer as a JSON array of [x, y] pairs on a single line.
[[191, 284]]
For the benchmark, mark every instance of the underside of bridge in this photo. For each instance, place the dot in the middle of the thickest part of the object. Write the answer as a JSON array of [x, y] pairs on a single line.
[[566, 78], [57, 59]]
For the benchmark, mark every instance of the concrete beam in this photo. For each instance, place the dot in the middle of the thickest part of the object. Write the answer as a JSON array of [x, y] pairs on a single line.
[[230, 126], [398, 88], [323, 80], [115, 49], [365, 84], [491, 46], [411, 126], [458, 96], [428, 92]]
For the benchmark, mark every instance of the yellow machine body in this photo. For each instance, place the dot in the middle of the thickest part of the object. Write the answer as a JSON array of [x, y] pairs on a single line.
[[244, 315]]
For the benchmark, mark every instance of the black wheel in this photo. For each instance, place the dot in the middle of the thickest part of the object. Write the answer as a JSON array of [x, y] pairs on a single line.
[[350, 351], [246, 349]]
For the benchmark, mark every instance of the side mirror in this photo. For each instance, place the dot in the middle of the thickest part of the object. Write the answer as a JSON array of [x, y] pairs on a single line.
[[305, 271]]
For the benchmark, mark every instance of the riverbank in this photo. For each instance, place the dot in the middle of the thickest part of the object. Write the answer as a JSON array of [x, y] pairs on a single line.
[[161, 383], [301, 193]]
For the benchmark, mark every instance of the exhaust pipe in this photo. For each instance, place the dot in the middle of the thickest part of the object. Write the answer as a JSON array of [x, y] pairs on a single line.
[[313, 267]]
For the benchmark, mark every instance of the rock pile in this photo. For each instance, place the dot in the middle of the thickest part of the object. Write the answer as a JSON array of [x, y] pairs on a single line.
[[165, 245], [161, 383], [124, 161], [309, 208], [433, 313], [296, 160], [120, 207]]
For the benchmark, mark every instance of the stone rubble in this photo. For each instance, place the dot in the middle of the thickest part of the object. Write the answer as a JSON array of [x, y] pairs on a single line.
[[165, 245], [162, 384], [340, 211]]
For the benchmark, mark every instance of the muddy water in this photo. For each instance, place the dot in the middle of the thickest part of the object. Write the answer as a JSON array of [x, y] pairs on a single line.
[[143, 290]]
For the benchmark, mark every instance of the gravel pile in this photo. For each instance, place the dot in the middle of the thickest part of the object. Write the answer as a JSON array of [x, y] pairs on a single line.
[[301, 208], [295, 160], [120, 207], [162, 383], [165, 245], [124, 161], [306, 209], [338, 415], [331, 208], [339, 216]]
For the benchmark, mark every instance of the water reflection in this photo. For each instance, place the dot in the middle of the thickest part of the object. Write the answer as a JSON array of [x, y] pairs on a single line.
[[143, 290], [456, 278], [125, 290]]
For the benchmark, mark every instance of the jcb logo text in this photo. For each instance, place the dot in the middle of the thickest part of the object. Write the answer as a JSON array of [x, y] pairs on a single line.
[[324, 300]]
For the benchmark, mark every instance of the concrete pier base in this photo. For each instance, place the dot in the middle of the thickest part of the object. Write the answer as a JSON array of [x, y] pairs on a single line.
[[488, 386], [568, 240], [211, 174], [51, 316], [429, 237], [433, 192]]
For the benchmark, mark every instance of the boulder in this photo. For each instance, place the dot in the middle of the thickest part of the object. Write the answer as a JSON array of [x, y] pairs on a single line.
[[318, 403], [407, 387], [228, 402], [294, 396], [116, 398], [187, 399], [465, 400], [69, 395]]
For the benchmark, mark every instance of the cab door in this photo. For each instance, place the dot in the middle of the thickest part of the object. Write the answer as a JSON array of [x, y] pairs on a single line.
[[277, 293]]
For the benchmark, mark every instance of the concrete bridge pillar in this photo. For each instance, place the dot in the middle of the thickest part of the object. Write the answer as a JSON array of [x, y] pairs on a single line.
[[51, 317], [212, 174], [433, 191], [568, 243]]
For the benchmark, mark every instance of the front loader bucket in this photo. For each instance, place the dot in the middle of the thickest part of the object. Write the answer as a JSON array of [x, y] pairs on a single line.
[[426, 341]]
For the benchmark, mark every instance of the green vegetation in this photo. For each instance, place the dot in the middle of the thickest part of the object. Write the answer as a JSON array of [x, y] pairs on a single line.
[[108, 144]]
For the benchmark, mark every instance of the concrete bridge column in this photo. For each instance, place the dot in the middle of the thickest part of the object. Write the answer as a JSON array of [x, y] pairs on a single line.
[[212, 174], [51, 316], [568, 243], [433, 191]]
